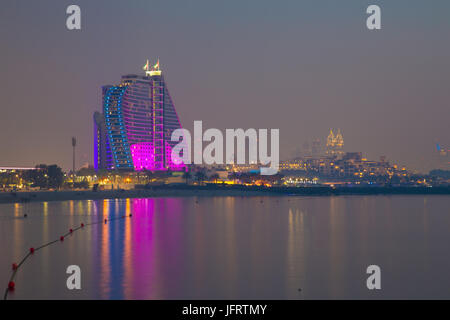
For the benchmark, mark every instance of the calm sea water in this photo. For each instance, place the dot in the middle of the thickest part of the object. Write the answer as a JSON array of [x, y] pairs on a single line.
[[231, 248]]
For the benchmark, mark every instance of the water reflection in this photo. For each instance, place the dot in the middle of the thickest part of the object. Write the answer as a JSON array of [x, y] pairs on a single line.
[[230, 247]]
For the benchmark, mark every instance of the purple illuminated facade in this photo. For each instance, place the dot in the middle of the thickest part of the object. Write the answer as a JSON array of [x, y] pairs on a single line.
[[134, 130]]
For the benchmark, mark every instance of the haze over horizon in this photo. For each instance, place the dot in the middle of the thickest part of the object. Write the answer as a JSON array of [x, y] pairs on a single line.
[[301, 66]]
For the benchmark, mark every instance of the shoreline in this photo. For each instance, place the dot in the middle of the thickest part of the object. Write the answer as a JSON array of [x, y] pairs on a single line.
[[213, 191]]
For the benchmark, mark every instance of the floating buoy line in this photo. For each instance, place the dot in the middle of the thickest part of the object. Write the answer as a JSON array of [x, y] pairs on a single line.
[[32, 250]]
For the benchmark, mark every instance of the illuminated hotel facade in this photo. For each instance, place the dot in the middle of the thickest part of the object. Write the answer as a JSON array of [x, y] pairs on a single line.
[[134, 130], [335, 144]]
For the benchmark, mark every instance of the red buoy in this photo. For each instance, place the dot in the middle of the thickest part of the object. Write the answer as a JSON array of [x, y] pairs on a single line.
[[31, 250], [71, 230], [14, 266], [82, 225], [11, 285], [61, 238]]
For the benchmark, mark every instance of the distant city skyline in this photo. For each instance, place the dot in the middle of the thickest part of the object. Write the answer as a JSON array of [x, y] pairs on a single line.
[[301, 66]]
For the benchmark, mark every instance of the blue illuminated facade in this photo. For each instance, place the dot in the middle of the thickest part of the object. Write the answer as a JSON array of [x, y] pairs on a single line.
[[133, 132]]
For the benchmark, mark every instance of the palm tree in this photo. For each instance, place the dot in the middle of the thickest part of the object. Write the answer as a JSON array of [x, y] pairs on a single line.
[[148, 176], [200, 176], [234, 176], [214, 177], [187, 175]]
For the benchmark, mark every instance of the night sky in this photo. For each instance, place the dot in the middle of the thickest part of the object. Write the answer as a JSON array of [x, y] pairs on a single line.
[[301, 66]]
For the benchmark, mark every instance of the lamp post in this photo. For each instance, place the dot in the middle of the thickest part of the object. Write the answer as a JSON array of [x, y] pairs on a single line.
[[74, 144]]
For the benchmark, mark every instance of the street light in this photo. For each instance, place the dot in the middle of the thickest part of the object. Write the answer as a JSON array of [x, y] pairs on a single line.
[[74, 144]]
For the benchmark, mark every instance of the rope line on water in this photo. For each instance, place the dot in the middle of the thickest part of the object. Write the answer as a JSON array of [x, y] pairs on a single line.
[[15, 267]]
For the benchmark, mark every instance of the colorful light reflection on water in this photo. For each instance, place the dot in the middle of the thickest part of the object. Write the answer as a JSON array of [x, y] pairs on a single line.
[[230, 247]]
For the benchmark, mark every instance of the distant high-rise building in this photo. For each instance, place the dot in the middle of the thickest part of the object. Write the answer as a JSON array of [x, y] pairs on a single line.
[[443, 159], [335, 144], [134, 130], [339, 142], [316, 148], [311, 148], [306, 149], [330, 141]]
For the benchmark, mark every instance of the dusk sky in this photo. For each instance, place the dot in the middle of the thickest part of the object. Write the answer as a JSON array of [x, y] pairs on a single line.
[[301, 66]]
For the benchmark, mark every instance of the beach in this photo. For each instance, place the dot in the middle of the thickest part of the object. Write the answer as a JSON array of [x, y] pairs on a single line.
[[212, 191]]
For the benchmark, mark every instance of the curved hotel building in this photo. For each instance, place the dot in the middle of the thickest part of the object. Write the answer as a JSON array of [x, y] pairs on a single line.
[[133, 132]]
